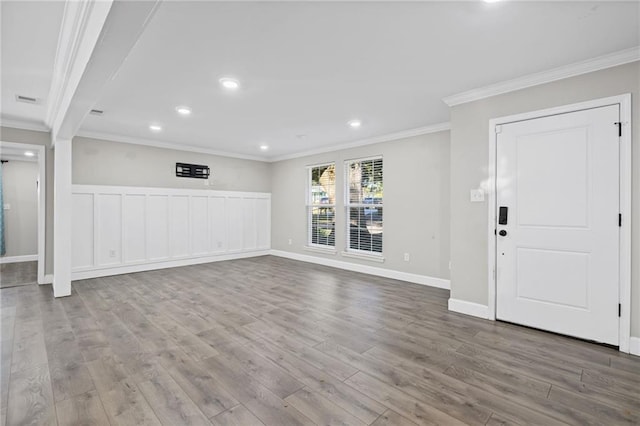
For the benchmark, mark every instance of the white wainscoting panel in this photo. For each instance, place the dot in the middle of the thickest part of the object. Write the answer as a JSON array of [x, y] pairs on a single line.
[[119, 229], [179, 219], [157, 227], [134, 222], [234, 224], [218, 225], [82, 247], [109, 233]]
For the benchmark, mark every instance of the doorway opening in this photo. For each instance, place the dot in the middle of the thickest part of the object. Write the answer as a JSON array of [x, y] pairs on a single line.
[[22, 219], [517, 239]]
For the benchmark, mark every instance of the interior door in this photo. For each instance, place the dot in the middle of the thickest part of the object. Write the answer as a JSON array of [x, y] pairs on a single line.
[[557, 228]]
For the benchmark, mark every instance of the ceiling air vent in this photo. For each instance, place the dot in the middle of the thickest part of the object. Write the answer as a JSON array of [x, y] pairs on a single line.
[[26, 99], [96, 112]]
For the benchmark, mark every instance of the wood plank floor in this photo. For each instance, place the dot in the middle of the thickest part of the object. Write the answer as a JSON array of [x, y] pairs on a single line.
[[270, 341], [18, 273]]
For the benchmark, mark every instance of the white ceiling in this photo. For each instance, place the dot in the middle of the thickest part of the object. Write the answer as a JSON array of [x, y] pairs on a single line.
[[28, 41], [17, 154], [306, 68]]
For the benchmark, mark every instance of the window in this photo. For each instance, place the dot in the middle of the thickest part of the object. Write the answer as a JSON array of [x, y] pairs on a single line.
[[364, 194], [321, 205]]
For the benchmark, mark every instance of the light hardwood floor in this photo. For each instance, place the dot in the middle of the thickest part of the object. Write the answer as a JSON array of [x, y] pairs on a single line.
[[270, 341], [19, 273]]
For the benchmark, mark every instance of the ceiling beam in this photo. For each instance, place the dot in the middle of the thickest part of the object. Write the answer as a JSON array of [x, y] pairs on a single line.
[[95, 39], [82, 23]]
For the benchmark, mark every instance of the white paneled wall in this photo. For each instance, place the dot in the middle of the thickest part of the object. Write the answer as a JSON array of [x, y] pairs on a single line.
[[127, 229]]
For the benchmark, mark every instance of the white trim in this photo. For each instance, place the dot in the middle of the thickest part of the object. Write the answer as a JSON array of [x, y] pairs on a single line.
[[18, 259], [24, 125], [42, 199], [366, 269], [578, 68], [137, 190], [165, 145], [48, 279], [363, 256], [435, 128], [469, 308], [624, 101], [321, 249], [82, 23], [107, 271], [634, 346], [62, 220]]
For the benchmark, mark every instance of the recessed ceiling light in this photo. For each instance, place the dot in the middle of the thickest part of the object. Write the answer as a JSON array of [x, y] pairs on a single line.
[[230, 83], [155, 128], [183, 110], [355, 123], [264, 147], [491, 1], [29, 153]]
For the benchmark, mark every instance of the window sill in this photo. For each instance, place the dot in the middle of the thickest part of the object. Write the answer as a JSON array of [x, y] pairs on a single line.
[[370, 257], [323, 250]]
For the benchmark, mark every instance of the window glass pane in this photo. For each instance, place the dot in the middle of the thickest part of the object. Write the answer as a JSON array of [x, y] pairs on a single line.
[[323, 184], [321, 210], [365, 228], [323, 226], [365, 182]]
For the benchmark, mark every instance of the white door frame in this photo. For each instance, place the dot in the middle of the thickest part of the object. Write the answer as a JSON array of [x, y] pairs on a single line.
[[624, 101], [42, 189]]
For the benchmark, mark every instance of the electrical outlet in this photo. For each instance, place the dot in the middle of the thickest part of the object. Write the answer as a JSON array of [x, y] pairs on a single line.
[[290, 241], [407, 257]]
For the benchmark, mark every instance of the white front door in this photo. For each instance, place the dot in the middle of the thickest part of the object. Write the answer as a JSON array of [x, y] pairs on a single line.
[[557, 226]]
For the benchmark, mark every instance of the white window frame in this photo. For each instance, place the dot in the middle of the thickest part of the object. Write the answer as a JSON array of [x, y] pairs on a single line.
[[310, 205], [357, 253]]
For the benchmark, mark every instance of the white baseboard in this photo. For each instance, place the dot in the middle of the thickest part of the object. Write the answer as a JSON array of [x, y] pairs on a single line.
[[469, 308], [365, 269], [634, 346], [16, 259], [48, 279], [128, 269]]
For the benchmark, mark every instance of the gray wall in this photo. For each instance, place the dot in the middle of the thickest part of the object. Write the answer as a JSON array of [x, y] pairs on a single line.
[[469, 169], [100, 162], [20, 192], [416, 203], [8, 134]]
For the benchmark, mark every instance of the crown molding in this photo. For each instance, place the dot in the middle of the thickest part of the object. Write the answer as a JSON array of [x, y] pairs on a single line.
[[435, 128], [165, 145], [82, 22], [578, 68], [24, 125]]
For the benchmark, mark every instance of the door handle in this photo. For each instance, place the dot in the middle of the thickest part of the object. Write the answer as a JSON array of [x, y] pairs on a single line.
[[502, 233]]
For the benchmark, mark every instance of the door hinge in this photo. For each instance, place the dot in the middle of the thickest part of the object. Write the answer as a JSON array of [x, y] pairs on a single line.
[[620, 220], [619, 310], [619, 124]]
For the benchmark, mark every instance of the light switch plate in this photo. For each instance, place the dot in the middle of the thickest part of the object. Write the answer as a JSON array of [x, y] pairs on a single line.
[[7, 206], [477, 195]]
